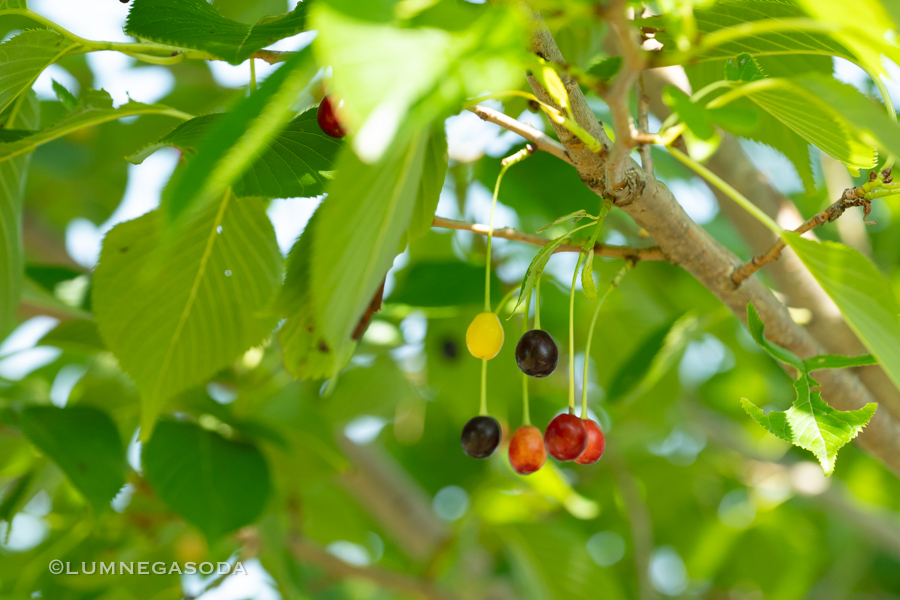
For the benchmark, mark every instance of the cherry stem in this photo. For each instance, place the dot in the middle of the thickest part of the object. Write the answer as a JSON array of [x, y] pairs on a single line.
[[572, 338], [505, 164], [506, 299], [252, 75], [587, 349], [526, 412], [537, 304], [483, 409]]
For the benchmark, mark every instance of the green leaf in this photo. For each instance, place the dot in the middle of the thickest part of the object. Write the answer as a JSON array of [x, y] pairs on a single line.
[[433, 172], [298, 161], [865, 116], [605, 68], [809, 116], [217, 485], [733, 14], [813, 425], [435, 284], [94, 110], [357, 233], [78, 335], [13, 496], [13, 174], [238, 138], [390, 73], [85, 443], [65, 96], [757, 330], [574, 217], [536, 268], [197, 25], [861, 292], [692, 115], [743, 68], [24, 57], [653, 358], [587, 277], [305, 352], [174, 314], [836, 361], [810, 423]]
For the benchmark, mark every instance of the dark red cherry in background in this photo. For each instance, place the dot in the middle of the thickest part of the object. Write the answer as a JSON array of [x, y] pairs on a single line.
[[481, 436], [536, 353], [566, 437], [526, 450], [595, 445], [327, 116]]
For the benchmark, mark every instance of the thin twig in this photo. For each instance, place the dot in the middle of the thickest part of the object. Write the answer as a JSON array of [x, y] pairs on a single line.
[[651, 253], [540, 140], [644, 127], [617, 99], [850, 198], [307, 552]]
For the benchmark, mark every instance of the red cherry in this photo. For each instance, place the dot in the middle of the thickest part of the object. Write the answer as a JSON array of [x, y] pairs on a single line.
[[595, 445], [566, 437], [526, 450], [327, 116]]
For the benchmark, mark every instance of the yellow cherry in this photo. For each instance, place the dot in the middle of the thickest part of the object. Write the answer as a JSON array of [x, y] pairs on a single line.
[[484, 337]]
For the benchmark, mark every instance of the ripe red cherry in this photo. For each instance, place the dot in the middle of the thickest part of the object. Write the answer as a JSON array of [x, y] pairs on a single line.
[[327, 116], [481, 436], [536, 353], [526, 450], [566, 437], [595, 445]]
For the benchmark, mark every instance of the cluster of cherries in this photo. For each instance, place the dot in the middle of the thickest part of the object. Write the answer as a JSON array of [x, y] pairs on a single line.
[[567, 438]]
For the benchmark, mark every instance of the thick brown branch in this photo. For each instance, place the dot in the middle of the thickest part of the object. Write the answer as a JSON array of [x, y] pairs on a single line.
[[540, 140], [307, 552], [688, 245], [508, 233], [852, 197]]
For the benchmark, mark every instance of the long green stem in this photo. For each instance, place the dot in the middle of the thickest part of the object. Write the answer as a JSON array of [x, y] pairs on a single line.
[[483, 409], [490, 235], [727, 190], [572, 338], [526, 412], [505, 299], [587, 349], [252, 75], [537, 304]]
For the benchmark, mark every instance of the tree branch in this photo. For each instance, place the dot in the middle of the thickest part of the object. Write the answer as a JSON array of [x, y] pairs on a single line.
[[540, 140], [688, 245], [307, 552], [651, 253], [850, 198]]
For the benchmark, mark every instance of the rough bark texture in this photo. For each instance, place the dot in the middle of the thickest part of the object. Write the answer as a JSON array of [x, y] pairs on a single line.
[[686, 244]]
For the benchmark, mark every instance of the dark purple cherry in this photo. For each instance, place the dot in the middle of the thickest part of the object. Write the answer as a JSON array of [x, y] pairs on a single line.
[[327, 116], [481, 436], [536, 353]]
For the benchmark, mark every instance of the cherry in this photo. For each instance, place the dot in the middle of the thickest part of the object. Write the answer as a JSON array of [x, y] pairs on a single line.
[[566, 437], [536, 353], [595, 445], [484, 337], [327, 116], [526, 450], [481, 436]]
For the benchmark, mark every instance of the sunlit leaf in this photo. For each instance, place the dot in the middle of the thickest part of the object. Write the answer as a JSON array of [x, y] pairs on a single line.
[[24, 57], [197, 25], [177, 312]]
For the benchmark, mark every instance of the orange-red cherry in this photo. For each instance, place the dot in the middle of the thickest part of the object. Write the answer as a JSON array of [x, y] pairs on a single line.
[[595, 445], [526, 450], [566, 437]]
